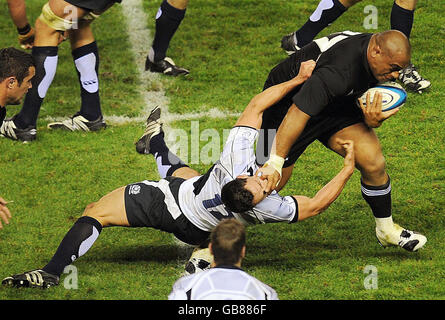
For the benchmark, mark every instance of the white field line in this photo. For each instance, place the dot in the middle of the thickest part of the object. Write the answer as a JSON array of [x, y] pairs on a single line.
[[140, 39]]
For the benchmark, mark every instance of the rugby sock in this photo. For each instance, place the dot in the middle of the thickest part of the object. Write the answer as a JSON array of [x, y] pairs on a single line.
[[45, 59], [168, 20], [76, 243], [327, 12], [86, 60], [166, 161], [402, 19], [378, 198]]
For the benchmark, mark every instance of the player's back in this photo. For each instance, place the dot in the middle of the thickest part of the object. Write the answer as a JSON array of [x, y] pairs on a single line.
[[221, 283]]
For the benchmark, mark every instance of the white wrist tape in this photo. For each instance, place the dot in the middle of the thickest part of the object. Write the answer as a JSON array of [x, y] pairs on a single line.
[[276, 162]]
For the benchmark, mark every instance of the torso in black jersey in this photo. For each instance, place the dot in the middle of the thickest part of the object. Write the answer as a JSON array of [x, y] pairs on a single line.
[[341, 75], [2, 114]]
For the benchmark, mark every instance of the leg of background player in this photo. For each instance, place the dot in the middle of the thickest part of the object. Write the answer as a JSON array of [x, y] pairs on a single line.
[[45, 55], [169, 17], [375, 185], [402, 18], [86, 60], [327, 12]]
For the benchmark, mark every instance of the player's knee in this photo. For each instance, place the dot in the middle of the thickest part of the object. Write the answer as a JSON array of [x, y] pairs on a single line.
[[373, 166]]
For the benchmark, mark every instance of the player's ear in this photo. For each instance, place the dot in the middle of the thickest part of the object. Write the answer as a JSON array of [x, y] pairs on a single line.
[[9, 82]]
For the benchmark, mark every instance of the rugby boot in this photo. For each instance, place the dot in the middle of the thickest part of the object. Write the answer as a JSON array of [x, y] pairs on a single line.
[[153, 127], [165, 66], [406, 239], [32, 279]]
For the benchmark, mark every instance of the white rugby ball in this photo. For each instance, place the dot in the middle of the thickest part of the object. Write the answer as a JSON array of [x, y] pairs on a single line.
[[393, 95]]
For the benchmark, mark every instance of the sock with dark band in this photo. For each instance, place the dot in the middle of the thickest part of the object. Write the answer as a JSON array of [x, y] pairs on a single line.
[[79, 239]]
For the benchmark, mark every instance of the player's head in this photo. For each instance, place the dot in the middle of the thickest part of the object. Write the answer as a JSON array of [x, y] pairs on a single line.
[[228, 242], [16, 71], [243, 193], [388, 53]]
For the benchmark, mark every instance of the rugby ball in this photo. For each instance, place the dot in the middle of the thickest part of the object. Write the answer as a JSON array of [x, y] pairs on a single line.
[[393, 95]]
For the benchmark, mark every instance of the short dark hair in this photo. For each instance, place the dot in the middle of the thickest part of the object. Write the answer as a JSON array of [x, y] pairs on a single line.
[[15, 63], [237, 198], [228, 239]]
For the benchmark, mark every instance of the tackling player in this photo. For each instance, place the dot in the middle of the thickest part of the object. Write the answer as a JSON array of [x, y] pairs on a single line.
[[187, 204]]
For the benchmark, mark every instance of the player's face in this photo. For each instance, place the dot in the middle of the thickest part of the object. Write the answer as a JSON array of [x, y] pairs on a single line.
[[17, 91], [386, 68], [257, 187]]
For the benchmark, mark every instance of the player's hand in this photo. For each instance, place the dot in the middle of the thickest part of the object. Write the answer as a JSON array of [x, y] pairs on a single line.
[[349, 160], [306, 68], [5, 214], [27, 40], [374, 116], [272, 176]]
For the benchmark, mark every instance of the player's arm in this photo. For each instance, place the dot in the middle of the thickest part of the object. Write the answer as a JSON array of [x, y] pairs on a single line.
[[309, 207], [252, 115], [5, 214], [325, 84]]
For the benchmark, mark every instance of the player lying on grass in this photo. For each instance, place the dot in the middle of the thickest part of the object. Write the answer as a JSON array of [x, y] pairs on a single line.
[[187, 204]]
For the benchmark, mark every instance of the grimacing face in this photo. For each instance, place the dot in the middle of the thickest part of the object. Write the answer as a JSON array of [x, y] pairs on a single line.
[[17, 91], [257, 186]]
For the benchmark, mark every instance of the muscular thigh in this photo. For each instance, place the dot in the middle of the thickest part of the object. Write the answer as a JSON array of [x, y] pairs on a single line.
[[110, 209], [368, 153]]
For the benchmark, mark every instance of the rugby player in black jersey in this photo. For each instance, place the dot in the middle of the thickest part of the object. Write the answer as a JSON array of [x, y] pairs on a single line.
[[16, 71], [325, 108]]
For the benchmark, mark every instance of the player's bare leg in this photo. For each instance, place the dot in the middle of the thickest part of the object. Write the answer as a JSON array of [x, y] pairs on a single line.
[[376, 185]]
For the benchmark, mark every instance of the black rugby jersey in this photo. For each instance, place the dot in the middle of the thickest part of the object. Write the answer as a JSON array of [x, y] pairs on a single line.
[[342, 72], [2, 114]]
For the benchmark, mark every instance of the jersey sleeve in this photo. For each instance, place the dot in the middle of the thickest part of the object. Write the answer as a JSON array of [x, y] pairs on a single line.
[[178, 292], [275, 208], [319, 90], [238, 152]]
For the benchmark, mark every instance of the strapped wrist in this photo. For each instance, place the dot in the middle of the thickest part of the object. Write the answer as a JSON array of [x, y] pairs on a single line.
[[276, 162]]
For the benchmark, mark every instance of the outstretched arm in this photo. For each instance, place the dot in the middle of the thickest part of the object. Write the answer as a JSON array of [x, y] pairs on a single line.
[[5, 214], [309, 207], [252, 115]]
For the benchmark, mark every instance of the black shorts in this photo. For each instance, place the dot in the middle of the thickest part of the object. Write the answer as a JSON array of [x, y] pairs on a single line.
[[93, 5], [155, 204], [321, 127]]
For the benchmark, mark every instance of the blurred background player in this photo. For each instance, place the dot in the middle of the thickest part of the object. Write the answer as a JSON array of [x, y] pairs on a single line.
[[402, 17], [225, 280], [17, 10], [168, 18], [16, 71], [58, 17]]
